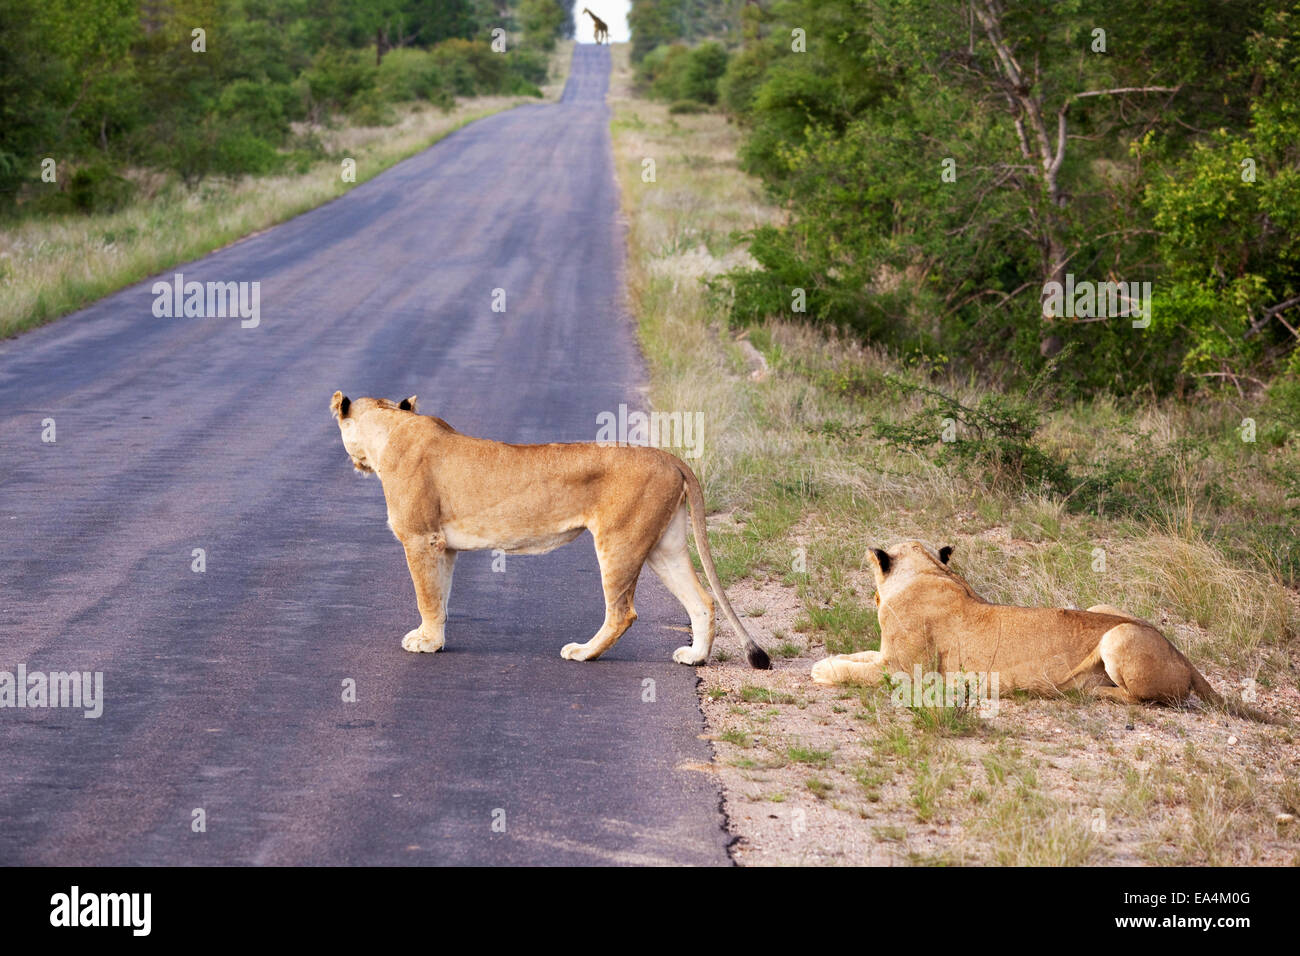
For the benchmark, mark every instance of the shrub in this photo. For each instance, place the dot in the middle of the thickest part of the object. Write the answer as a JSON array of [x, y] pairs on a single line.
[[738, 86], [995, 437], [336, 77], [470, 67], [239, 151], [543, 21], [98, 189], [679, 72], [410, 74], [530, 66], [704, 68], [262, 107], [372, 109], [217, 148]]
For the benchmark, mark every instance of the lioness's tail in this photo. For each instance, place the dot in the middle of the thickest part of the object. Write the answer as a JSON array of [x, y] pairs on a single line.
[[1234, 707], [757, 656]]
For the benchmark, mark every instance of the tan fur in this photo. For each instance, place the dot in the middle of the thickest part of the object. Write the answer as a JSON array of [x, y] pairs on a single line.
[[929, 614], [448, 492]]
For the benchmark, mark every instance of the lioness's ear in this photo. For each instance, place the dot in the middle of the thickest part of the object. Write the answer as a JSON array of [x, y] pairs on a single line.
[[882, 559], [339, 405], [407, 404], [945, 553]]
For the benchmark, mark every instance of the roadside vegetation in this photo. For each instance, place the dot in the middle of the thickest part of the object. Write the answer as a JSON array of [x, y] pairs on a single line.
[[128, 143], [823, 439]]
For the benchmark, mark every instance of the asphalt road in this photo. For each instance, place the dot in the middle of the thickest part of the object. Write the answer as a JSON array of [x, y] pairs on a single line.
[[223, 690]]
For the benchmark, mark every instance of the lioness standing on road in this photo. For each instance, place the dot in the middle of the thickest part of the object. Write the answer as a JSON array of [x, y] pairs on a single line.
[[448, 492]]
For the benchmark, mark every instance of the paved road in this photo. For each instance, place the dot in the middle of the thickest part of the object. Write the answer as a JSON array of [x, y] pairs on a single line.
[[223, 689]]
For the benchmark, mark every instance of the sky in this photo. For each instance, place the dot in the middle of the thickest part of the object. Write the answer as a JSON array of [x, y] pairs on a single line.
[[613, 12]]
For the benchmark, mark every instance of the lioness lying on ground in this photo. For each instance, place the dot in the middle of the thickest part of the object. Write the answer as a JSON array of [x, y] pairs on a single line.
[[448, 492], [928, 612]]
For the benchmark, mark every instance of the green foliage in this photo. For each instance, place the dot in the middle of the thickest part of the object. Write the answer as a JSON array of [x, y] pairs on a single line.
[[263, 107], [704, 68], [337, 77], [527, 69], [471, 67], [412, 74], [98, 189], [681, 73], [994, 438], [656, 23], [1228, 216], [920, 218], [99, 85], [543, 22]]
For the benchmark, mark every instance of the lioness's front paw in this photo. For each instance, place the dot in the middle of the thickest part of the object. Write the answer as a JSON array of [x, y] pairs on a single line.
[[420, 642], [689, 655], [575, 652], [823, 672]]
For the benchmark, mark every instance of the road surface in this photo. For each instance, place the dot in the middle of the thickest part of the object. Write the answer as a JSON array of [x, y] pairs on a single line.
[[223, 690]]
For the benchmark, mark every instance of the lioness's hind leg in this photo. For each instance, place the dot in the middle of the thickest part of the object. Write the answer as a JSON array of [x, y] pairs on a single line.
[[618, 574], [1117, 694], [1144, 664], [671, 560]]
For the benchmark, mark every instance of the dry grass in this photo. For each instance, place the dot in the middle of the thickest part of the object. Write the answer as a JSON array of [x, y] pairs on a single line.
[[804, 489]]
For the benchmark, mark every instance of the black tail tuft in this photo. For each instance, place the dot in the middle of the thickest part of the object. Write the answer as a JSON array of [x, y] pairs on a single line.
[[758, 658]]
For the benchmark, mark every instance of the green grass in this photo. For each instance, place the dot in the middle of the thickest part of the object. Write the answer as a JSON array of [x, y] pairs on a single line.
[[751, 694], [819, 788], [810, 756], [737, 737]]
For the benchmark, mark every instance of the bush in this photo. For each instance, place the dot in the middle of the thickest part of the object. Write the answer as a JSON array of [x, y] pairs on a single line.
[[372, 109], [264, 108], [240, 151], [217, 148], [543, 21], [530, 66], [98, 189], [704, 68], [738, 86], [679, 72], [470, 67], [994, 438], [336, 77], [409, 74]]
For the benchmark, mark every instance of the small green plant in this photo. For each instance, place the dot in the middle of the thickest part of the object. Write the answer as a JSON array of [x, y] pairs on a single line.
[[819, 788], [733, 736], [815, 758], [756, 695], [994, 437]]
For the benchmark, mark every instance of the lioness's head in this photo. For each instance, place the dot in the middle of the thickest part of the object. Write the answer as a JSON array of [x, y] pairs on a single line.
[[349, 414], [905, 562]]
